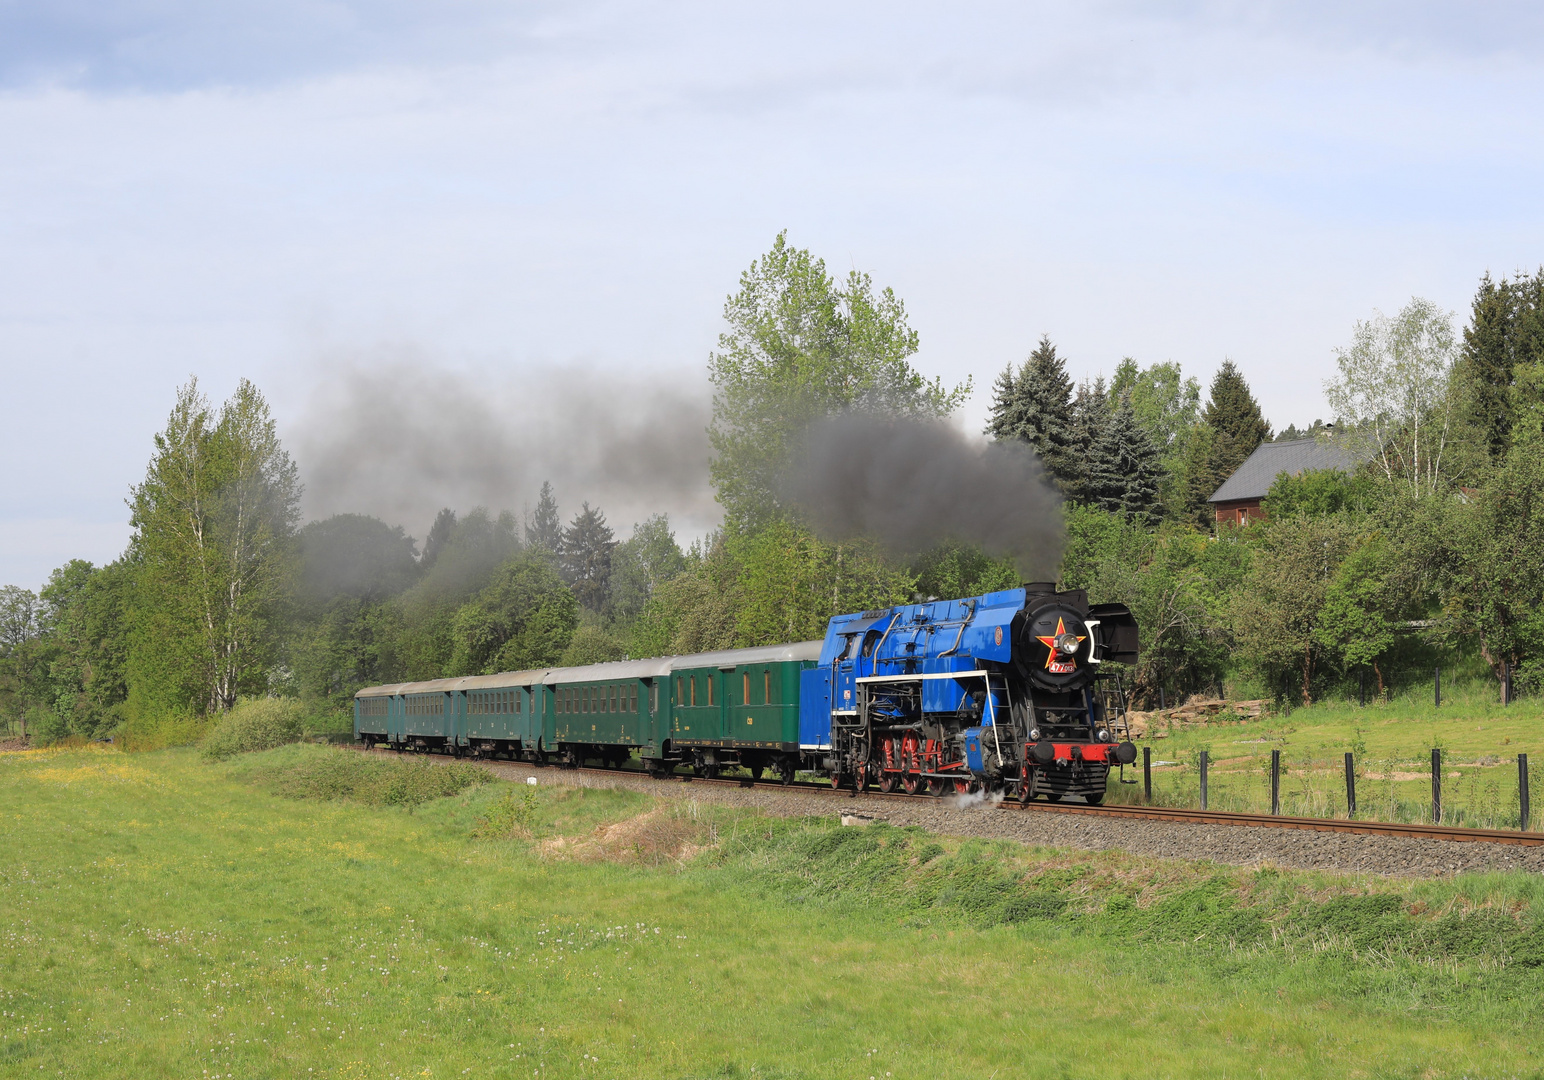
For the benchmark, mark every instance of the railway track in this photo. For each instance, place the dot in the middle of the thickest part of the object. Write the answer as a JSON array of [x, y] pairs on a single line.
[[1145, 813]]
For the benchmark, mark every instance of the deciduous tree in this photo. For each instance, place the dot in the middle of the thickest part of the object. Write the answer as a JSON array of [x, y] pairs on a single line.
[[214, 522], [1391, 396], [798, 347]]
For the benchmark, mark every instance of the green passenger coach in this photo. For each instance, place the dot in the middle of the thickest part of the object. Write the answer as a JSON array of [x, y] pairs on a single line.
[[738, 707]]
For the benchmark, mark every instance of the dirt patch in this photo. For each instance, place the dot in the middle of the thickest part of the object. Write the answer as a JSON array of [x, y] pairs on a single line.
[[667, 834], [12, 743]]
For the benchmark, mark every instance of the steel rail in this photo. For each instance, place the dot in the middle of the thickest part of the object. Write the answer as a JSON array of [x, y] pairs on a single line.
[[1145, 813]]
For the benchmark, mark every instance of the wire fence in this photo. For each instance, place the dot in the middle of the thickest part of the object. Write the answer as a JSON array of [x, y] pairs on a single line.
[[1482, 792]]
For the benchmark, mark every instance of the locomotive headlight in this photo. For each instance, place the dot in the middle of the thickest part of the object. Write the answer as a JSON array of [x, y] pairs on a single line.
[[1103, 736], [1067, 644], [1034, 734]]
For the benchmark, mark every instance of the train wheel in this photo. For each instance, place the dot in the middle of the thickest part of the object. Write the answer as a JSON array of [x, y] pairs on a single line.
[[887, 782], [1025, 792], [860, 779], [911, 783], [1053, 796], [963, 787], [756, 771], [836, 781], [785, 771], [1094, 798], [936, 788]]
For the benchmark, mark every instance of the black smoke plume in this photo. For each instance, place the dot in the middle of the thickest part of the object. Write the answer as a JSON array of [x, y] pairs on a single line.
[[401, 438], [913, 484]]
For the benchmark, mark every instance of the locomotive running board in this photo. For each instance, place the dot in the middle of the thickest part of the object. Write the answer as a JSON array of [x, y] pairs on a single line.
[[977, 673]]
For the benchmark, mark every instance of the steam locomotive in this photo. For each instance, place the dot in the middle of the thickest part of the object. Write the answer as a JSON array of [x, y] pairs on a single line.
[[1006, 692]]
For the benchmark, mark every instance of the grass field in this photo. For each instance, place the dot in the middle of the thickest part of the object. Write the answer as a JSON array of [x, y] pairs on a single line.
[[1391, 742], [167, 917]]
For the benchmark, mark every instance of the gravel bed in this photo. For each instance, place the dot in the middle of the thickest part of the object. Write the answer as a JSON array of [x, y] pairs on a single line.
[[1235, 845]]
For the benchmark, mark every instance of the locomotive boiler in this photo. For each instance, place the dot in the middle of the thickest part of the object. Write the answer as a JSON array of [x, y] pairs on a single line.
[[1007, 692]]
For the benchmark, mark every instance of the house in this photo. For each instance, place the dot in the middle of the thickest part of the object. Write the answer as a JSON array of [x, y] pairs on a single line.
[[1237, 502]]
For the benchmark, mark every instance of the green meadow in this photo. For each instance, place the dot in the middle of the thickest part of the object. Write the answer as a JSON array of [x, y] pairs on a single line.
[[1391, 742], [307, 912]]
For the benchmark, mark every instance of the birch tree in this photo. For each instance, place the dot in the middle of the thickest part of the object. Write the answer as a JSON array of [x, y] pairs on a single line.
[[1392, 397], [214, 522]]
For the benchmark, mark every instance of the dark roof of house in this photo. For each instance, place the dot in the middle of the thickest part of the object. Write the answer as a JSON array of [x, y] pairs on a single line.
[[1255, 476]]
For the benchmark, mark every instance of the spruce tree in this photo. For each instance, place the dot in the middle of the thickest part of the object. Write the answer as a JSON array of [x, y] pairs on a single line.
[[1036, 407], [1090, 414], [1504, 339], [1003, 422], [1123, 469], [439, 535], [586, 556], [544, 529], [1236, 425]]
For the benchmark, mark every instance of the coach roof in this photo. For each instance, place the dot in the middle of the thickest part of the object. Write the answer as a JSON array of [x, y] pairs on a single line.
[[763, 654]]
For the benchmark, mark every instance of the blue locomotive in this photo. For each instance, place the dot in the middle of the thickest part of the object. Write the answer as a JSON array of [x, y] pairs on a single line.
[[1005, 692]]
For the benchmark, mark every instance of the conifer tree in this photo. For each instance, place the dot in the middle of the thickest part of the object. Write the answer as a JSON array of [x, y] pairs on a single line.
[[1036, 407], [586, 556], [1003, 420], [1237, 428], [1124, 469], [544, 529], [439, 535], [1090, 412], [1503, 345]]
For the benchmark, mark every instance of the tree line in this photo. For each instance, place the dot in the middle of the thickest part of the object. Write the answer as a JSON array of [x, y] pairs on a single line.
[[1426, 551]]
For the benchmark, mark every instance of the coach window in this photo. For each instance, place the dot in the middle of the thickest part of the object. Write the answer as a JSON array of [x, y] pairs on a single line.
[[614, 706], [745, 688], [632, 698], [654, 697], [693, 694], [711, 681], [766, 687], [680, 691]]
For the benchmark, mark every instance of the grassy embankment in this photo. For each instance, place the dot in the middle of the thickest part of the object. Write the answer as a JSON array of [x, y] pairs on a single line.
[[305, 912], [1392, 743]]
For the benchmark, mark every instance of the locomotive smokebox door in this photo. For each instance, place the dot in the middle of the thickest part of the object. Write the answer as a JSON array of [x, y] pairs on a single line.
[[1057, 647]]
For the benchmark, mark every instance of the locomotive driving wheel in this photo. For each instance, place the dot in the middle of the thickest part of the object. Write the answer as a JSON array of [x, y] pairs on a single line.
[[964, 787], [911, 783], [936, 787], [887, 782]]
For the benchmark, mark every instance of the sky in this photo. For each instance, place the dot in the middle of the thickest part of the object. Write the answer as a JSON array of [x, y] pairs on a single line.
[[525, 218]]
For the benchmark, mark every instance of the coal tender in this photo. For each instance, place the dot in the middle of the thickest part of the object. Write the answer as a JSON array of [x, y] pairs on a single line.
[[1014, 692]]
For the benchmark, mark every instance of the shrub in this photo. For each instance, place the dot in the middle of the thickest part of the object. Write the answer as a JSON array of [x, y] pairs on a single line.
[[340, 773], [254, 724], [509, 816]]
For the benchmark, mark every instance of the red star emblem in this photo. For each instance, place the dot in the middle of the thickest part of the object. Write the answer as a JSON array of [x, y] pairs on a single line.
[[1049, 641]]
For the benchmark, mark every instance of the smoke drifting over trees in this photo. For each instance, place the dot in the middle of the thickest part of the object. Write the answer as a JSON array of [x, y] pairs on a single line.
[[402, 439], [914, 484]]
